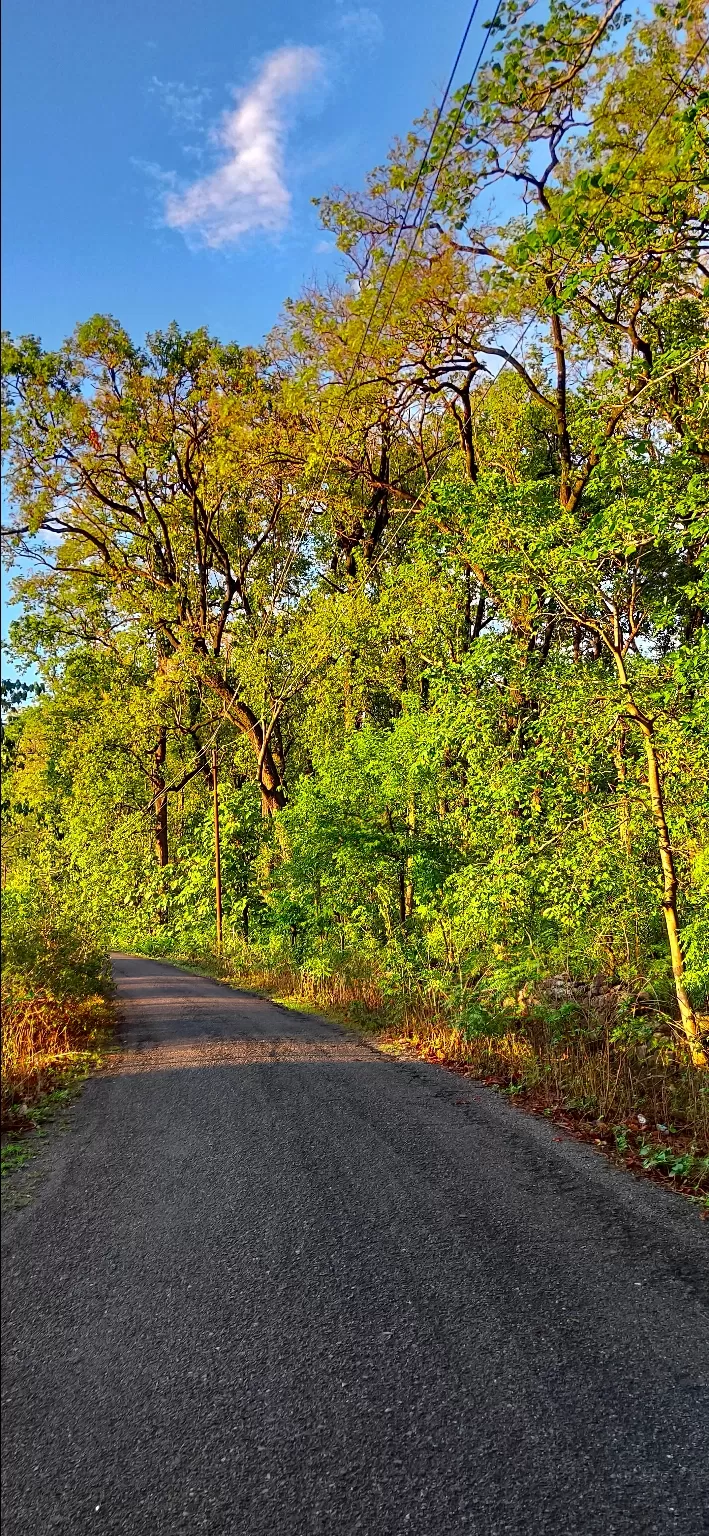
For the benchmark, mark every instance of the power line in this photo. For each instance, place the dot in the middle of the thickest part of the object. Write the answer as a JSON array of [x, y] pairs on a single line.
[[437, 177], [591, 229], [536, 315], [403, 226], [539, 312]]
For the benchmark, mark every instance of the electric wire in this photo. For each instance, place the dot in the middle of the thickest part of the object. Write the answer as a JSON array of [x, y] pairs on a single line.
[[538, 313], [348, 388]]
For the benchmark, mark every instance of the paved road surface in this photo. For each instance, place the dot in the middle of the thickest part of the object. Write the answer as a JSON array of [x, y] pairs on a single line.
[[279, 1284]]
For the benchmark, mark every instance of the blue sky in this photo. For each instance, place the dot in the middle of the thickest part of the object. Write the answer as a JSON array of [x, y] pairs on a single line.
[[160, 158]]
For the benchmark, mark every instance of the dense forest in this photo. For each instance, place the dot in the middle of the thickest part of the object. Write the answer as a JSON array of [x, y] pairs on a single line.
[[421, 583]]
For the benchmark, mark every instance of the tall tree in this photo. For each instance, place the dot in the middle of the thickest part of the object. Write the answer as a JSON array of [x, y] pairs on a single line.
[[173, 476]]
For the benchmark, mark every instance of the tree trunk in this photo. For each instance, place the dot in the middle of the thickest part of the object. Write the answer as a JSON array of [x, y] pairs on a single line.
[[669, 902], [669, 872], [465, 428], [623, 802], [402, 893], [467, 609], [217, 850], [409, 882], [273, 795], [348, 707], [162, 846], [479, 617]]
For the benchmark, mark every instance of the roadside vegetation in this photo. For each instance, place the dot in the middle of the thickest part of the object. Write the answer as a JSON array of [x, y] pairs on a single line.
[[56, 1014], [420, 586], [609, 1069]]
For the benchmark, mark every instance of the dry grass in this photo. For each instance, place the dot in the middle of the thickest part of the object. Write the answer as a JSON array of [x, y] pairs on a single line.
[[354, 998], [647, 1110], [647, 1106], [586, 1070], [45, 1043], [589, 1074]]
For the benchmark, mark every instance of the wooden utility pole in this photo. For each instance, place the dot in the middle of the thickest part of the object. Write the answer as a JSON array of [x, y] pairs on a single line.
[[217, 853]]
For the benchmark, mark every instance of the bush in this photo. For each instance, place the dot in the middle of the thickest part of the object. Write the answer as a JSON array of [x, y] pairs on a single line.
[[45, 949], [55, 1009]]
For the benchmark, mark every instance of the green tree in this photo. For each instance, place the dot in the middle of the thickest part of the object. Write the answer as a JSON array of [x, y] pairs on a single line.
[[171, 476]]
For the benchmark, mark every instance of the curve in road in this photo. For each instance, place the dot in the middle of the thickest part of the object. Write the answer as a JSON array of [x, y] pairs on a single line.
[[280, 1284]]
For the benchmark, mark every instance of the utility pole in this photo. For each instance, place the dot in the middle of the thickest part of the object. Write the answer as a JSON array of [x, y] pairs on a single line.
[[217, 853]]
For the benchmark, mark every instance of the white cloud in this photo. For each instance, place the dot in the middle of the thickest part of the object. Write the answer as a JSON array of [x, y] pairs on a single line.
[[247, 190]]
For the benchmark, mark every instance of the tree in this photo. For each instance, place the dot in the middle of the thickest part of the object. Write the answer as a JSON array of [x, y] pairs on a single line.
[[430, 567], [627, 571], [172, 477]]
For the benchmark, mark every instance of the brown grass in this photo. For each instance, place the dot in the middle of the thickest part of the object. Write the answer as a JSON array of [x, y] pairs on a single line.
[[45, 1043], [586, 1070], [591, 1074], [646, 1106], [353, 997]]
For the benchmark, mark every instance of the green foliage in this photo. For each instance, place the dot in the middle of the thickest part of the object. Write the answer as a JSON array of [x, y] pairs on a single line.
[[47, 948], [445, 627]]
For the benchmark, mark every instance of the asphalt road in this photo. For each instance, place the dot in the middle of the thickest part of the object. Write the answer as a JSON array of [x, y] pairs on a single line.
[[276, 1283]]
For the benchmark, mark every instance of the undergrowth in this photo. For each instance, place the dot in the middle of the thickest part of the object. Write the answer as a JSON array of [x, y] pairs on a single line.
[[620, 1081], [46, 1045], [56, 1017]]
